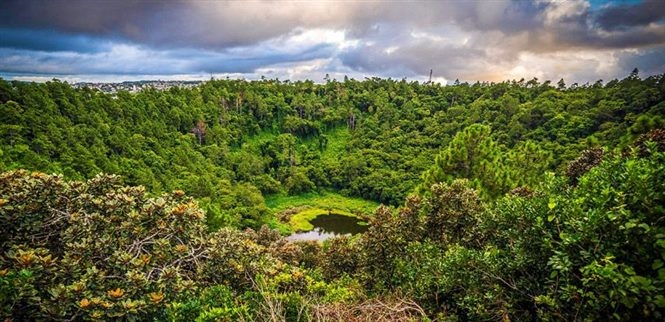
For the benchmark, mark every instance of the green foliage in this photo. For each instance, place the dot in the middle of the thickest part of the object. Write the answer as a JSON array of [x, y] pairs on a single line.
[[95, 249], [584, 246], [448, 216], [609, 241], [591, 251], [100, 250], [216, 303], [589, 159], [297, 182], [370, 139], [472, 154], [492, 169], [650, 142]]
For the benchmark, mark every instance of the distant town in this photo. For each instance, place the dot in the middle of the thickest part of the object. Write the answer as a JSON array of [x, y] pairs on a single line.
[[136, 86]]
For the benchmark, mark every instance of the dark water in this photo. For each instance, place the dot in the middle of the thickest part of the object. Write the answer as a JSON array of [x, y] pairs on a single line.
[[327, 226]]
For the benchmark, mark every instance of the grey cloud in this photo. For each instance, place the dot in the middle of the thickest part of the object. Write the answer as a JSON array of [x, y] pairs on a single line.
[[477, 37], [173, 23], [508, 16], [575, 30], [80, 16], [59, 63], [643, 37], [621, 26], [215, 63], [631, 15], [129, 59], [400, 50], [650, 61], [46, 40], [583, 38], [223, 24]]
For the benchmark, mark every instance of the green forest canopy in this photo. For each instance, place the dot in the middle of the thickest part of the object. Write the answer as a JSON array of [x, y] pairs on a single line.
[[230, 143], [580, 235]]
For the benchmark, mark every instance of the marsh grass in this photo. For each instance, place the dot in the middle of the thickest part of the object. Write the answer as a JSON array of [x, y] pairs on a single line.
[[296, 212]]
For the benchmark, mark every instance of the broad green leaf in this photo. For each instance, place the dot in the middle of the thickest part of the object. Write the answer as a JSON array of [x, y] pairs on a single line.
[[551, 204], [660, 301]]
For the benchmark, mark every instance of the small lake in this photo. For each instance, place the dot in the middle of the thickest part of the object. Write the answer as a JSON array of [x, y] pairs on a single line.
[[327, 226]]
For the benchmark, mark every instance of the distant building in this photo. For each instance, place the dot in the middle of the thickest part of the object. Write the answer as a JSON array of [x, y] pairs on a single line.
[[135, 87]]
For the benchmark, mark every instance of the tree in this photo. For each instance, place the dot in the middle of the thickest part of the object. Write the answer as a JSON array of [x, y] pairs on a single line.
[[200, 131], [474, 155]]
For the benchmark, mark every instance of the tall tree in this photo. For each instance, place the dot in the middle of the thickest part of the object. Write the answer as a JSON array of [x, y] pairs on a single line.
[[474, 155]]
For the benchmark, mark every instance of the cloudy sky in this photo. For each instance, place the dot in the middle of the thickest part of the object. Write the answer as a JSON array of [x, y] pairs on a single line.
[[490, 40]]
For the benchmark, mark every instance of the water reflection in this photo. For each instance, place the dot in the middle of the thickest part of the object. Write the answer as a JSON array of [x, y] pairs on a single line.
[[327, 226]]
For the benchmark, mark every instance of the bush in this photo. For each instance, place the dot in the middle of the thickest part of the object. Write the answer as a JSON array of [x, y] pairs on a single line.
[[94, 249], [593, 251]]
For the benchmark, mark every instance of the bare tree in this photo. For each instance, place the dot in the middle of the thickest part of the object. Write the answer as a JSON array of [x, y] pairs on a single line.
[[200, 130]]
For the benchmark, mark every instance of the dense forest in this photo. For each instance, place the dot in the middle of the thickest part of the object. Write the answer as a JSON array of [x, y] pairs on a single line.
[[520, 200]]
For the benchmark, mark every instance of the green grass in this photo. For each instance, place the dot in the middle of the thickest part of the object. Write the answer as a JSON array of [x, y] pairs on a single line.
[[301, 221], [311, 205], [325, 200]]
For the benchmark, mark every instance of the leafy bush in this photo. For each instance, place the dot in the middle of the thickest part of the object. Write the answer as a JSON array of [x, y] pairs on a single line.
[[95, 249], [216, 303], [99, 250], [591, 251], [587, 160]]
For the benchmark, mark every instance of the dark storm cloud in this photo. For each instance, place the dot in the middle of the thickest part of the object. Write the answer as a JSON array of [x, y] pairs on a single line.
[[631, 15], [48, 40], [632, 39], [126, 18], [609, 27]]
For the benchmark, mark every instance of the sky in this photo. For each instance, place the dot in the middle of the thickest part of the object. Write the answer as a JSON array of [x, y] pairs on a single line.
[[491, 40]]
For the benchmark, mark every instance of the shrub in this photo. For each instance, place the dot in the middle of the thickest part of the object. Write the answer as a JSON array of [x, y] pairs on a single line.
[[94, 249]]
